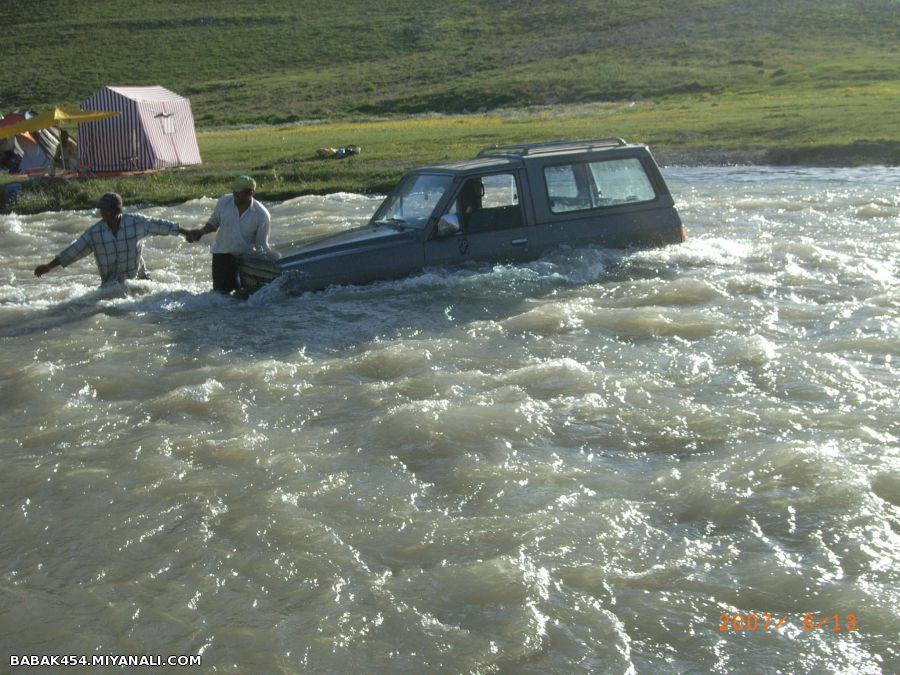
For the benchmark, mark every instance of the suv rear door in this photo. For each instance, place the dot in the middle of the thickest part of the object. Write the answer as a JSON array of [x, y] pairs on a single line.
[[613, 199]]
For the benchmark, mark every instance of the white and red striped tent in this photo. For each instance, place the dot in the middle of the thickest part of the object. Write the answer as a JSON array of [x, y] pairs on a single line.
[[153, 130]]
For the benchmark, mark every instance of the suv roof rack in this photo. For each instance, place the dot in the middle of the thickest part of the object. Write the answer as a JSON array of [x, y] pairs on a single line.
[[522, 149]]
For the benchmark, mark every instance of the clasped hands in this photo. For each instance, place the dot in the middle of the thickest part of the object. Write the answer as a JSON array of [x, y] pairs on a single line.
[[191, 236]]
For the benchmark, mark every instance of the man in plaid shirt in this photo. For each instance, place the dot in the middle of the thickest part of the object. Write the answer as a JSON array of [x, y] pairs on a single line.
[[115, 242]]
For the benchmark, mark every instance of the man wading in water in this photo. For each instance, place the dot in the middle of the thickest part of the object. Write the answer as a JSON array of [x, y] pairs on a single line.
[[242, 224], [115, 241]]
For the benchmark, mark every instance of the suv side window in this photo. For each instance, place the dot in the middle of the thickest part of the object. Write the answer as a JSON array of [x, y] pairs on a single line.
[[582, 186], [564, 189], [487, 203]]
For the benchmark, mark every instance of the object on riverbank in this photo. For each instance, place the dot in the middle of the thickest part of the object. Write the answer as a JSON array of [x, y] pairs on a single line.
[[338, 153], [13, 190]]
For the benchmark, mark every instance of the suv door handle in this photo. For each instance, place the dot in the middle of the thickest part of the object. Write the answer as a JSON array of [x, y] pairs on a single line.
[[519, 242]]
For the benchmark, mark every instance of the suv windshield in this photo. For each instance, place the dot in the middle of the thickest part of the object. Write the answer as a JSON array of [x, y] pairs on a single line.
[[413, 200]]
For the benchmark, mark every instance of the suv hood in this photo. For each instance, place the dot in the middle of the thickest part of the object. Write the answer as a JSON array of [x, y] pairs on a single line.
[[357, 238]]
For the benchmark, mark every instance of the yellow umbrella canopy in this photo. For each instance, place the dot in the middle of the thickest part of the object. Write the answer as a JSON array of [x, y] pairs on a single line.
[[50, 118]]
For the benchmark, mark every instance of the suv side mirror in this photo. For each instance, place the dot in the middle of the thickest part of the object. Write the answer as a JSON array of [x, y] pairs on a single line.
[[448, 225]]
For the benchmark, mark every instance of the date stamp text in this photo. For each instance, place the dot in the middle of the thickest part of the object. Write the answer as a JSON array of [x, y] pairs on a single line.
[[761, 622]]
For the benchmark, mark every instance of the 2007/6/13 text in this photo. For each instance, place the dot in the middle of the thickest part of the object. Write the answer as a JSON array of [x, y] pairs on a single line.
[[94, 660], [765, 621]]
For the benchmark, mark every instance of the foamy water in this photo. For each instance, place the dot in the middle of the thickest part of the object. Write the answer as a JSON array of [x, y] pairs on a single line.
[[587, 463]]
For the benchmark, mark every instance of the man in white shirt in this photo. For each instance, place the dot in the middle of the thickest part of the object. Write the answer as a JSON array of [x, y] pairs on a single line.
[[242, 225]]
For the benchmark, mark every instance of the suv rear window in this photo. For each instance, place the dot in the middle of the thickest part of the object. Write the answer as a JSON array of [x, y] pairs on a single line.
[[593, 185]]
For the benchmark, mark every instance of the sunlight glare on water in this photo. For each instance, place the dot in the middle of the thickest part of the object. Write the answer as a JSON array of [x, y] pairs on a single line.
[[578, 464]]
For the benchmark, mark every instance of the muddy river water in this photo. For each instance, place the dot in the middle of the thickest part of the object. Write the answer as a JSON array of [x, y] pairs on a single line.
[[669, 460]]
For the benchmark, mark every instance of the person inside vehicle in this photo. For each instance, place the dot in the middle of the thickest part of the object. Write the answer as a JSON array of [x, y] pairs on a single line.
[[469, 201]]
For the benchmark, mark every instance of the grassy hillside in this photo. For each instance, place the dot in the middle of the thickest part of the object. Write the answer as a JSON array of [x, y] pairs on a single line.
[[786, 81], [277, 61]]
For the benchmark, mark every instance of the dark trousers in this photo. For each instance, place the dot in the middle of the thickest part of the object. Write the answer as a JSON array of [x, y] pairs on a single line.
[[224, 272]]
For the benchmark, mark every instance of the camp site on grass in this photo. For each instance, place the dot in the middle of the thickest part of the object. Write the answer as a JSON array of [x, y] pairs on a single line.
[[119, 129]]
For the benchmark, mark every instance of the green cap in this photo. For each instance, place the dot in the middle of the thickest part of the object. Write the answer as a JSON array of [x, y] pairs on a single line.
[[243, 183]]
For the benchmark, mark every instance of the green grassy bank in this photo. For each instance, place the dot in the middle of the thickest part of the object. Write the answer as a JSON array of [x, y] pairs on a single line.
[[804, 127]]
